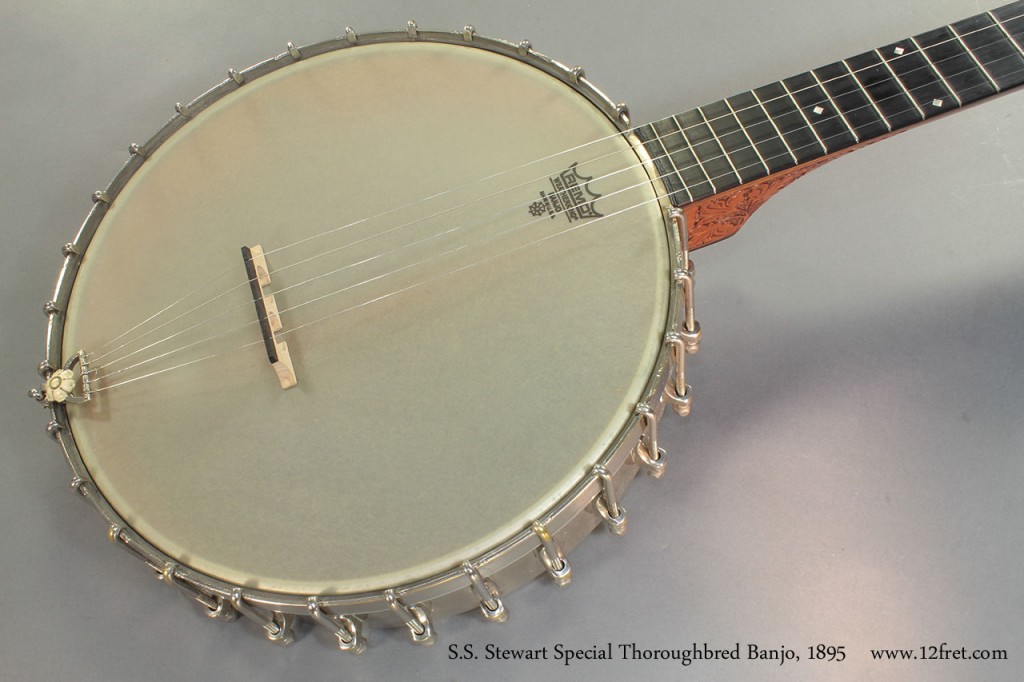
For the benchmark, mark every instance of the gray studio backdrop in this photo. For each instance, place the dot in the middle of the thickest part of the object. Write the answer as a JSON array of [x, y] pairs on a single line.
[[851, 473]]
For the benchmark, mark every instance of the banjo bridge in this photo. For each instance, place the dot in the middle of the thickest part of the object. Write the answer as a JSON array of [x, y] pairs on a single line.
[[267, 315]]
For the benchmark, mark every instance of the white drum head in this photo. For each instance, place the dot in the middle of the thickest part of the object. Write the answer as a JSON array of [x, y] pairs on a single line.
[[477, 357]]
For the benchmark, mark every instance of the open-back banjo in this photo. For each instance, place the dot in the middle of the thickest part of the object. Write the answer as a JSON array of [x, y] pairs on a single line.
[[523, 315]]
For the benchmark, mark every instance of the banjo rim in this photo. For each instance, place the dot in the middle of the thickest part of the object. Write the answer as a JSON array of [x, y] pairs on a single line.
[[510, 563]]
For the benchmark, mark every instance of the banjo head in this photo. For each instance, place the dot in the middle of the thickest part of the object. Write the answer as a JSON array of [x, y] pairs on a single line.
[[474, 278]]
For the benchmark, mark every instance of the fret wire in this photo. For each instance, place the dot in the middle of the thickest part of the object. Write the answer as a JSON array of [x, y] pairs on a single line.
[[871, 100], [839, 111], [970, 54], [986, 84], [804, 116], [686, 139], [749, 139], [938, 73], [1006, 33], [900, 83], [720, 144], [777, 131]]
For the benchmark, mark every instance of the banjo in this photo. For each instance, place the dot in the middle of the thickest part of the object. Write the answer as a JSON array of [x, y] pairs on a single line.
[[301, 326]]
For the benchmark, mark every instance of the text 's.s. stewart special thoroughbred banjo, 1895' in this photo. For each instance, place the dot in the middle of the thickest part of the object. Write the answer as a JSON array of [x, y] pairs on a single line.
[[524, 315]]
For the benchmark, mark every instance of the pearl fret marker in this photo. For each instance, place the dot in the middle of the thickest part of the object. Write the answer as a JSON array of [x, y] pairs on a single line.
[[818, 110], [936, 102], [898, 51]]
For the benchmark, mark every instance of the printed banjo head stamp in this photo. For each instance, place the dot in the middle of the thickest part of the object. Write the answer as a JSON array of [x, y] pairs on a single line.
[[570, 196]]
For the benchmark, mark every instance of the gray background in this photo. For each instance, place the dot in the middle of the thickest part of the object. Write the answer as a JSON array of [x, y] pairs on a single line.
[[851, 474]]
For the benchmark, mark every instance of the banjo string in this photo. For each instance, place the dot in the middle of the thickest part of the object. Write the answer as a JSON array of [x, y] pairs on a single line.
[[173, 304], [448, 191], [657, 197], [321, 254], [430, 198], [349, 287], [195, 291], [432, 278]]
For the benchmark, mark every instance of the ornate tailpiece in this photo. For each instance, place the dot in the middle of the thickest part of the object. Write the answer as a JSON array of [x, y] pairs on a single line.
[[59, 384]]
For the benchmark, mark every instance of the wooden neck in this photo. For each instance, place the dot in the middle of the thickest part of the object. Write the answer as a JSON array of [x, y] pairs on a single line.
[[722, 161]]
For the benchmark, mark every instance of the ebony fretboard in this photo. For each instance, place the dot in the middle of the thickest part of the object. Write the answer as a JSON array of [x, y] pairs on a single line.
[[813, 114]]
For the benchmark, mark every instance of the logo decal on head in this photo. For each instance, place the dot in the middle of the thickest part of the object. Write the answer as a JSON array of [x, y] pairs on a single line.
[[570, 196]]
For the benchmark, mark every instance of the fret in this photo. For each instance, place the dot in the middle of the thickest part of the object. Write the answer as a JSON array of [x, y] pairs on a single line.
[[691, 172], [889, 95], [721, 146], [957, 65], [740, 152], [871, 100], [706, 149], [800, 137], [970, 54], [833, 130], [839, 110], [775, 155], [990, 47], [938, 73], [746, 134], [902, 86], [1006, 33], [664, 165], [1011, 20]]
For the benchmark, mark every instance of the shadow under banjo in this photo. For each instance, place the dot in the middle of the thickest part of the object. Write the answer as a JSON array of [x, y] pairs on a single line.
[[523, 315]]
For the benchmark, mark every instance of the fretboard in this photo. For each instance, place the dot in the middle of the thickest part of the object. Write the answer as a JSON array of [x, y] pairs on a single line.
[[811, 115]]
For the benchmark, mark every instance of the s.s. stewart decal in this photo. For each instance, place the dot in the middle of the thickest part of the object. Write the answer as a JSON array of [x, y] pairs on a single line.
[[571, 196]]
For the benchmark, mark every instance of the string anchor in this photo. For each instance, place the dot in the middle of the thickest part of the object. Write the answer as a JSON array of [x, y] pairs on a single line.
[[59, 384]]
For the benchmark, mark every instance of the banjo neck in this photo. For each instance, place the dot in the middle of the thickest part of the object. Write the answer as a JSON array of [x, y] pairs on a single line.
[[722, 161]]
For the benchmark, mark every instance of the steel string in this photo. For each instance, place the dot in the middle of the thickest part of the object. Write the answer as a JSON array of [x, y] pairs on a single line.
[[657, 197], [429, 198], [996, 25], [450, 209]]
